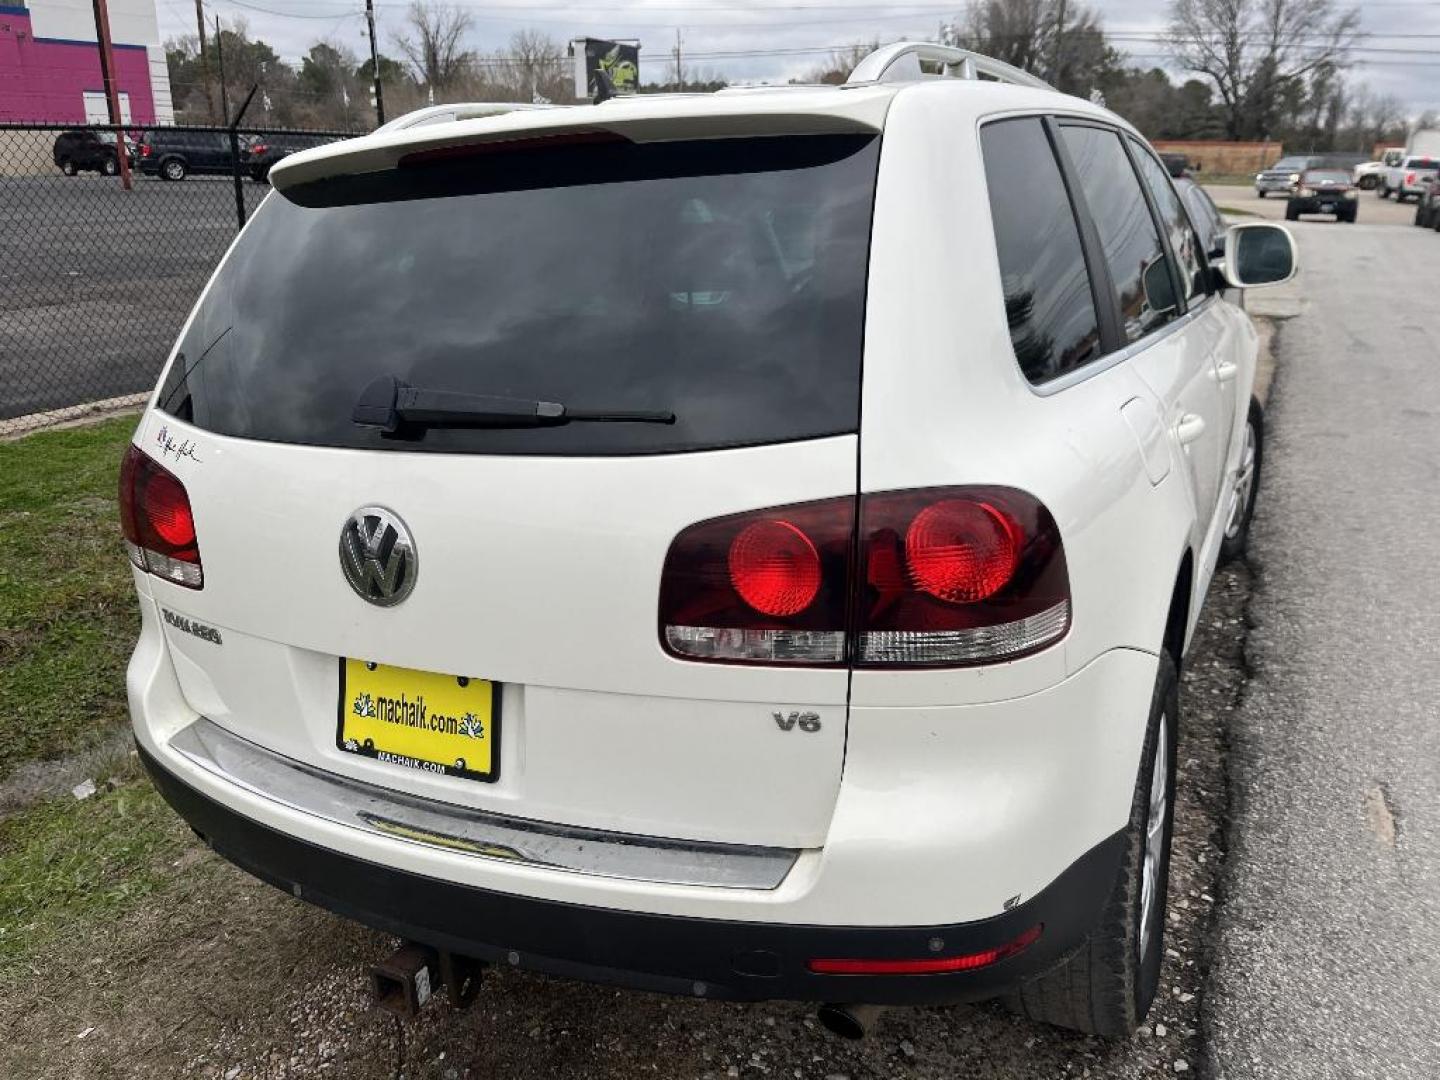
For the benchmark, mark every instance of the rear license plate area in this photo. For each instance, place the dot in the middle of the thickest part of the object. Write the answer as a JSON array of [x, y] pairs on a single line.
[[444, 724]]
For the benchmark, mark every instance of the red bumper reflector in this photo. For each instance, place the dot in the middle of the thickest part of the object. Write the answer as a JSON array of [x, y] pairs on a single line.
[[930, 965]]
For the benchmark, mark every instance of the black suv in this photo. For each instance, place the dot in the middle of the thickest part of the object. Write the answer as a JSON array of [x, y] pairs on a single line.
[[266, 150], [173, 155], [88, 151]]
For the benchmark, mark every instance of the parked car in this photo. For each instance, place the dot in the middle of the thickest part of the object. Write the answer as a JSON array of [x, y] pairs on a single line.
[[174, 155], [1284, 175], [85, 150], [1205, 215], [266, 150], [1371, 174], [1411, 178], [1427, 206], [637, 557], [1323, 191], [1177, 165]]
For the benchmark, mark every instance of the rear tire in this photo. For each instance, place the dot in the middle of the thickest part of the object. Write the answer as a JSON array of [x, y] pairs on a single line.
[[1244, 487], [1107, 985], [109, 166], [174, 169], [1291, 214], [1260, 192], [68, 168]]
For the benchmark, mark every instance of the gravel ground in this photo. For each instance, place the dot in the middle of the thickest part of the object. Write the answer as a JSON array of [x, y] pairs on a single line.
[[222, 976]]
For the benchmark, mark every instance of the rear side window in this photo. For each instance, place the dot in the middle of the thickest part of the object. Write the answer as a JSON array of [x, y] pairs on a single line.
[[1127, 231], [1048, 301], [1183, 244], [720, 280]]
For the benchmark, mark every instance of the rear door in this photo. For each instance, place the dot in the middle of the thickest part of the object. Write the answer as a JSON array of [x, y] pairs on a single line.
[[1174, 354], [721, 282]]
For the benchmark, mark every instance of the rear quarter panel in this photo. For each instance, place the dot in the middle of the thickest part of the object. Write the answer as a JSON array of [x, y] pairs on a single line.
[[944, 402]]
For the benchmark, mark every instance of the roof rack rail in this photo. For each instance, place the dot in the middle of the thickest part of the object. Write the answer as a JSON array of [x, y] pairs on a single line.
[[905, 61]]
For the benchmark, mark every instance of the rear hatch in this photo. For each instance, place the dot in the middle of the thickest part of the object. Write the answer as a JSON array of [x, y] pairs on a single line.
[[720, 281]]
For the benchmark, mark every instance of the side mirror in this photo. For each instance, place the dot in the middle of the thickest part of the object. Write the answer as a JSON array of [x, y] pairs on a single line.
[[1159, 289], [1258, 253]]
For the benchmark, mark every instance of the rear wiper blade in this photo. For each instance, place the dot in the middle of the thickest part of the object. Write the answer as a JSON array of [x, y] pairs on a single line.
[[392, 405]]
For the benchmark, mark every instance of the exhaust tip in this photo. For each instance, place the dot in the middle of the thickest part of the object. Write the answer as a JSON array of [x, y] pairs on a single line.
[[850, 1021]]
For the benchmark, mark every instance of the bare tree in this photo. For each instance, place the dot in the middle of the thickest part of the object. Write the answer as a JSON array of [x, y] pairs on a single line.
[[434, 44], [1062, 42], [836, 69], [531, 68], [1260, 54]]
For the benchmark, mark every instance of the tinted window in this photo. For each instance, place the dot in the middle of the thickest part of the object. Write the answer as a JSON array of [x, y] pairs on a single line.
[[1127, 231], [1183, 244], [1048, 301], [723, 281], [1204, 213], [1327, 176]]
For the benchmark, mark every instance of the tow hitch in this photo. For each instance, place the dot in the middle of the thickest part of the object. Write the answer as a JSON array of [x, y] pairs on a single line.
[[405, 980]]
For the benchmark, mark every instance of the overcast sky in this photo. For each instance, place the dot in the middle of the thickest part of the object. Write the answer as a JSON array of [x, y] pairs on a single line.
[[781, 39]]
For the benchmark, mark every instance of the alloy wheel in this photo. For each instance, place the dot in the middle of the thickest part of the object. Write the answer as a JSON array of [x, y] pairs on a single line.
[[1150, 879], [1243, 489]]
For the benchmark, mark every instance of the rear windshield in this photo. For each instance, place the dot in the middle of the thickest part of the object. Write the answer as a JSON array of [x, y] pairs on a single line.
[[1327, 176], [722, 281], [1421, 163]]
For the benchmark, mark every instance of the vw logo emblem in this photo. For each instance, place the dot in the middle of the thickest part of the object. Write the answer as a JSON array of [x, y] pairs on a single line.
[[378, 556]]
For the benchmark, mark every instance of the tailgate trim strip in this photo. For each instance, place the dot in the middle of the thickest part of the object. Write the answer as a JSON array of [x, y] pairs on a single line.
[[411, 819]]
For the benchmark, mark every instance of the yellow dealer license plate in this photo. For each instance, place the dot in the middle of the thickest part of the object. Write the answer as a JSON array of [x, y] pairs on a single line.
[[446, 724]]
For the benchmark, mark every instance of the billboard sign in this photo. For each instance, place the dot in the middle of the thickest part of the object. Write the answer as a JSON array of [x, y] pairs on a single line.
[[612, 64]]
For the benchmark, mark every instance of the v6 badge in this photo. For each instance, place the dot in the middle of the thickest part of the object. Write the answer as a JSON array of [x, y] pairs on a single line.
[[805, 721]]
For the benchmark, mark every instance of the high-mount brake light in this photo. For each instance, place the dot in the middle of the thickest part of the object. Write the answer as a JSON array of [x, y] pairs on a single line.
[[946, 577], [157, 521]]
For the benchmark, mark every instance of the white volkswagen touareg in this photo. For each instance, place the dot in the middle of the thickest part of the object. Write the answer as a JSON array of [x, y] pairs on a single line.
[[739, 545]]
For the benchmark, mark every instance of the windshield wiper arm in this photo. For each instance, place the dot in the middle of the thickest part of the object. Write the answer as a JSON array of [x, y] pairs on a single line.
[[391, 405]]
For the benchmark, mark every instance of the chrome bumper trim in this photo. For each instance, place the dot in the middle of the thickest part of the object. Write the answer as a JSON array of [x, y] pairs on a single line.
[[415, 820]]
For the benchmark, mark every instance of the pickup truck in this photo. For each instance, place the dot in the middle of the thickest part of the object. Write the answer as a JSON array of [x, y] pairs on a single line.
[[1371, 174], [1409, 178], [1412, 178]]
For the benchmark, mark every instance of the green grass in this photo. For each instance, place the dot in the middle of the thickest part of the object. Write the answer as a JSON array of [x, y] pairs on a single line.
[[68, 616], [65, 863]]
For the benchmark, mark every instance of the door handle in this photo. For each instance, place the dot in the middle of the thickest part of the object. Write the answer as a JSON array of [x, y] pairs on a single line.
[[1226, 370], [1189, 428]]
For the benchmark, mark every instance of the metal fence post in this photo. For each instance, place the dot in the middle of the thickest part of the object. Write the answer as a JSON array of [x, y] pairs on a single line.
[[235, 158]]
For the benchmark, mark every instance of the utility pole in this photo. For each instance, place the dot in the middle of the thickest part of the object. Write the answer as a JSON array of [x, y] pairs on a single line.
[[112, 91], [374, 64], [679, 68], [1059, 37], [220, 54], [205, 60]]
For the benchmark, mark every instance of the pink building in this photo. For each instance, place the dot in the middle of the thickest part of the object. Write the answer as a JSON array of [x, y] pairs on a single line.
[[50, 63]]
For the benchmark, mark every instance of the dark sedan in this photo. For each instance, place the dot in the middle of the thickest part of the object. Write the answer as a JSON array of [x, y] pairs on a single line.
[[1323, 191]]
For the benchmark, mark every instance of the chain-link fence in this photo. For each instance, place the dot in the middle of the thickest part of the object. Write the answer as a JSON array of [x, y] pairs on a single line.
[[95, 280]]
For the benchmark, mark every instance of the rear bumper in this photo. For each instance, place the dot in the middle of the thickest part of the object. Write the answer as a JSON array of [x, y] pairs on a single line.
[[1339, 205], [713, 958]]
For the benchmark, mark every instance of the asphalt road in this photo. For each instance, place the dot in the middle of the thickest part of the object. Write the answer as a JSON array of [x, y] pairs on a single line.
[[1327, 952], [95, 282]]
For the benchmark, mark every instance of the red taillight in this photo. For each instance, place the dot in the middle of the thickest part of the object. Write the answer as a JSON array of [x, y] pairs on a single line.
[[946, 577], [929, 965], [157, 521], [767, 587], [258, 148], [961, 550], [144, 149], [774, 567], [1410, 179]]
